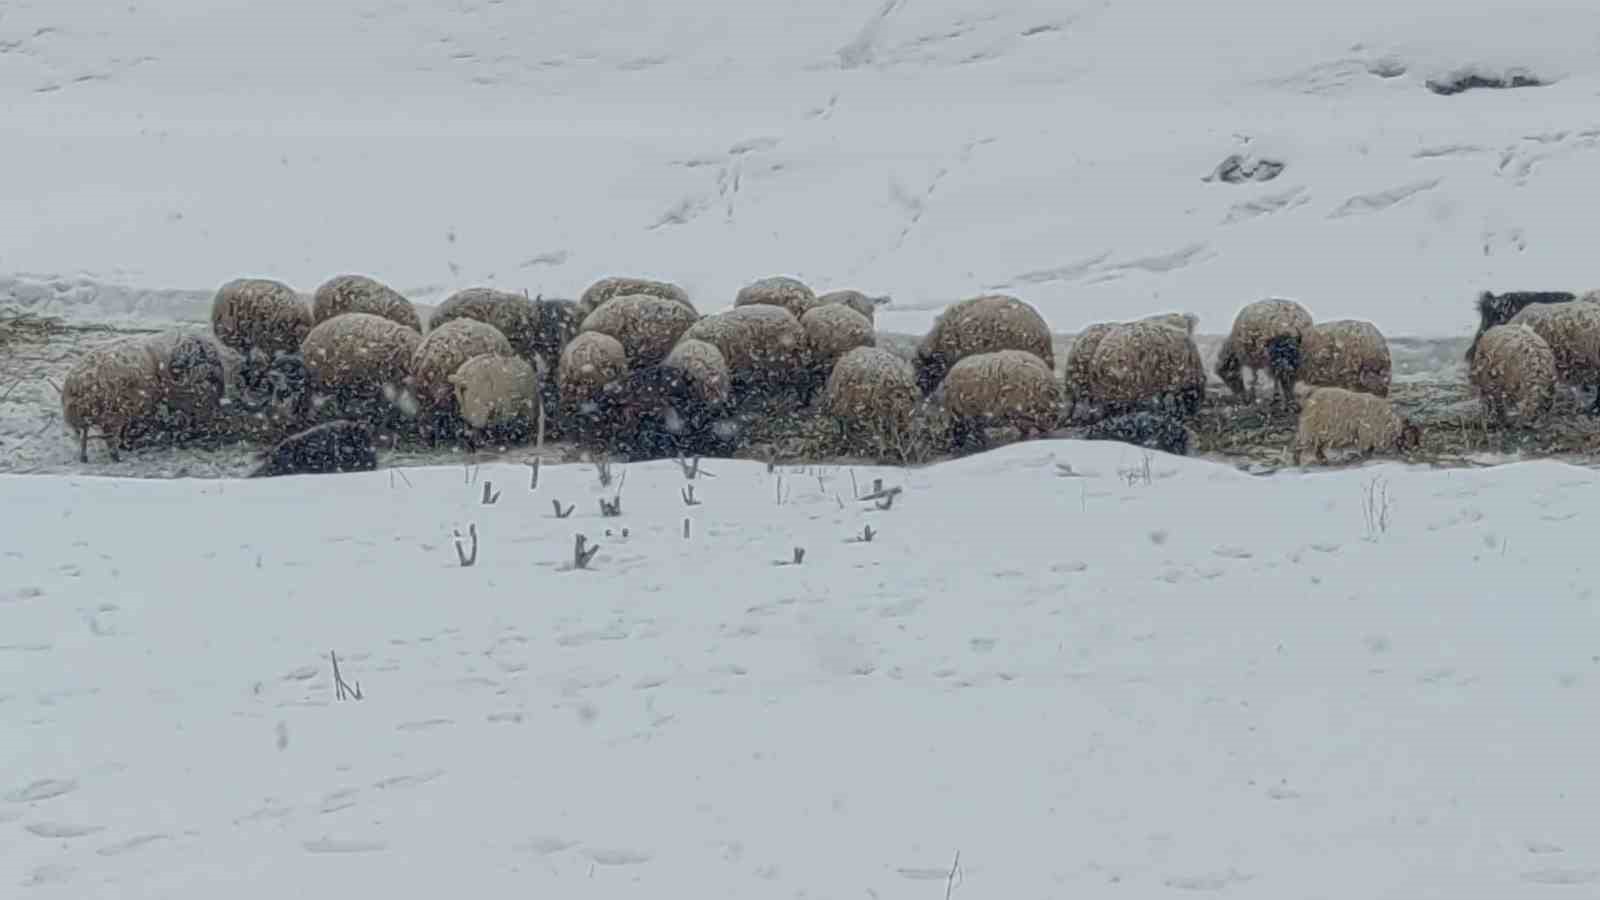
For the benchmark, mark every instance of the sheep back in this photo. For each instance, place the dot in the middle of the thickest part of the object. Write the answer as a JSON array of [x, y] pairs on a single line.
[[620, 286], [983, 324], [1008, 387], [1347, 353], [646, 326], [1333, 417], [260, 314], [496, 390], [1573, 332], [193, 371], [343, 294], [1514, 366], [112, 387], [872, 394], [443, 350], [697, 369], [1142, 361], [832, 331], [358, 351], [1255, 329], [513, 315], [856, 300], [762, 344], [781, 291], [591, 372], [1184, 322], [1079, 375]]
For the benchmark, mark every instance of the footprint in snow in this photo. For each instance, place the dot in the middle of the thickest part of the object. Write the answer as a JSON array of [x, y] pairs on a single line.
[[409, 781], [423, 725], [43, 789], [344, 845], [1562, 876], [63, 830], [618, 857], [134, 843]]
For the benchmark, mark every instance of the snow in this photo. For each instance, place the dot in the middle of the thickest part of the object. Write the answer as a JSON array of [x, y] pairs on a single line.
[[1143, 676], [927, 150]]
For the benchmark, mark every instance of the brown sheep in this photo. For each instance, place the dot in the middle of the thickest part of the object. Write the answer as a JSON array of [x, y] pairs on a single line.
[[765, 346], [1143, 361], [115, 387], [976, 325], [357, 293], [1267, 335], [781, 291], [619, 286], [861, 303], [256, 314], [362, 360], [646, 326], [193, 370], [513, 315], [832, 331], [1347, 353], [591, 376], [1573, 332], [1080, 363], [1362, 421], [498, 397], [1002, 388], [871, 395], [438, 356], [1513, 365]]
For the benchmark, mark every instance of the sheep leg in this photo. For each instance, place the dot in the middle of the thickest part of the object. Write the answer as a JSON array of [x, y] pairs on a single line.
[[1321, 449], [83, 445], [1594, 408], [1255, 374]]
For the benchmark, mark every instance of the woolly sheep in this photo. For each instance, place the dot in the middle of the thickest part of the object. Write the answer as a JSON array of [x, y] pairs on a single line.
[[763, 345], [1346, 353], [1344, 419], [275, 387], [1143, 361], [871, 396], [976, 325], [1498, 309], [343, 294], [1080, 363], [332, 447], [831, 332], [498, 396], [619, 286], [1152, 430], [114, 387], [1004, 387], [1267, 336], [361, 360], [1573, 332], [1514, 366], [646, 326], [443, 351], [781, 291], [513, 315], [193, 374], [683, 403], [591, 376], [1184, 322], [861, 303], [259, 314]]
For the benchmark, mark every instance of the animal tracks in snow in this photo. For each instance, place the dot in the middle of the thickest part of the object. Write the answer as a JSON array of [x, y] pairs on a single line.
[[1378, 201]]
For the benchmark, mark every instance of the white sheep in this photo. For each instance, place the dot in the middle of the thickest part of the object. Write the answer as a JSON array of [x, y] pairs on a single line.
[[1514, 366], [1333, 417], [498, 397], [1347, 353], [1267, 335], [984, 324], [258, 314]]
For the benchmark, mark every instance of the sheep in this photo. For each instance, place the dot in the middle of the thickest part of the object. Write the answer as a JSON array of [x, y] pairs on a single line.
[[357, 293], [1498, 309], [276, 388], [193, 376], [114, 387], [976, 325], [1080, 357], [1184, 322], [861, 303], [498, 397], [1267, 335], [591, 378], [646, 326], [513, 315], [1358, 420], [1514, 365], [332, 447], [619, 286], [1573, 332], [362, 360], [781, 291], [1347, 353], [1004, 387], [1142, 361], [831, 332], [438, 356], [1152, 430], [684, 402], [764, 346], [250, 314], [557, 322], [871, 396]]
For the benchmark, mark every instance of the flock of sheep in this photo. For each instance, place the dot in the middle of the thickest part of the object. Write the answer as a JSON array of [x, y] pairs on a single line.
[[634, 368]]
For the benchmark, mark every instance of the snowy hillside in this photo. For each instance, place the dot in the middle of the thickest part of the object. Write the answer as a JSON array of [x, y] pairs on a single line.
[[929, 150], [1129, 682]]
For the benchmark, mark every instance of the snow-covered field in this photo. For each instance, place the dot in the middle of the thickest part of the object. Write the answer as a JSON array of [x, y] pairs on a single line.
[[1088, 686]]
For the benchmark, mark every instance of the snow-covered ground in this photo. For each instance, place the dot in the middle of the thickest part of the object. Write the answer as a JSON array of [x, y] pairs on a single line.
[[1102, 685], [928, 150]]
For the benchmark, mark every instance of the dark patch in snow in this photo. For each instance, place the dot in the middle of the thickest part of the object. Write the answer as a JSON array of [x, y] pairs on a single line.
[[1240, 169], [1472, 79]]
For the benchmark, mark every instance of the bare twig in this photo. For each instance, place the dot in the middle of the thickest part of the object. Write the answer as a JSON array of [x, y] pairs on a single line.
[[343, 690], [685, 527], [950, 883], [467, 558], [610, 508], [865, 537], [798, 558], [403, 476], [562, 514], [855, 489], [688, 496], [490, 496], [602, 470], [533, 473], [582, 554]]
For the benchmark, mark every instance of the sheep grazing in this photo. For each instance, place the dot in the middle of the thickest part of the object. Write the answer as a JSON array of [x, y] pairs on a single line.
[[343, 294], [438, 356], [559, 321], [1144, 361], [1573, 332], [831, 332], [1267, 335], [256, 314], [684, 403], [329, 448], [1079, 376], [1151, 430], [871, 396], [781, 291], [1346, 353], [976, 325], [618, 286], [194, 381], [115, 387], [861, 303], [647, 327], [513, 315], [276, 387], [361, 360], [1003, 388], [498, 397], [764, 346], [1514, 366], [591, 378], [1332, 417], [1499, 309]]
